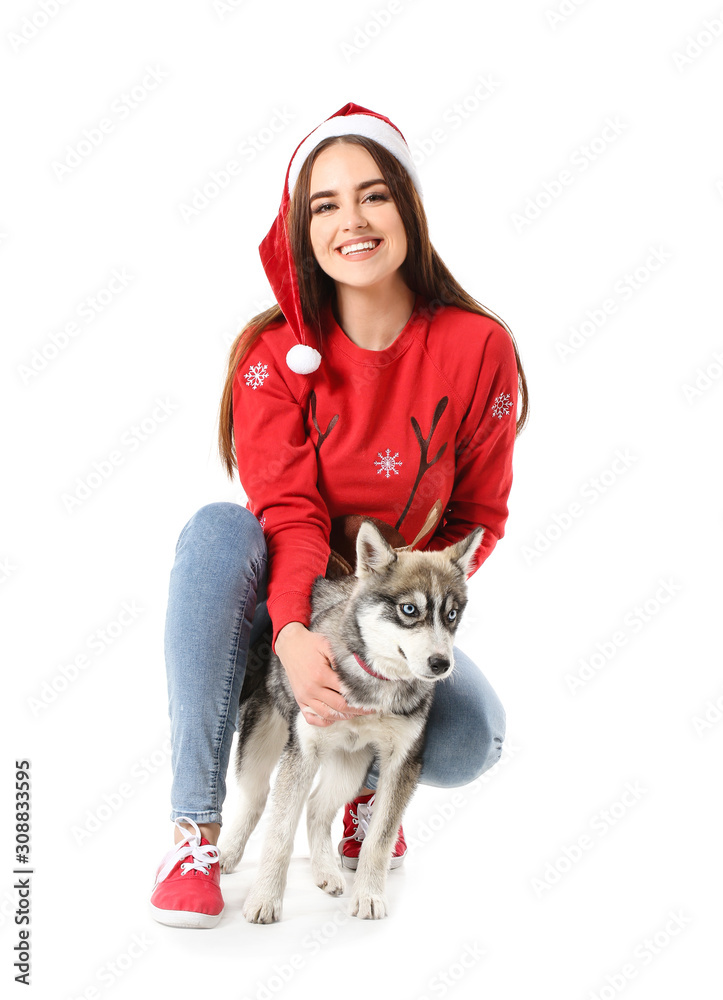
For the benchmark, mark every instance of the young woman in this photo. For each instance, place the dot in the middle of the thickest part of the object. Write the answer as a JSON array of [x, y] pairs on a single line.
[[375, 387]]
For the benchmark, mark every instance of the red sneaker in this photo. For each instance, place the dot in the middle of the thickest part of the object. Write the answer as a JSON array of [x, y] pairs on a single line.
[[356, 823], [187, 891]]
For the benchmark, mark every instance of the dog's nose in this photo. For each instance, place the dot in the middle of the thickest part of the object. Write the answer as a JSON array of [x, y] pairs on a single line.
[[438, 664]]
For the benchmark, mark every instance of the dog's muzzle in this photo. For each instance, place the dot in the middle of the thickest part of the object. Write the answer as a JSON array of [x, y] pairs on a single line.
[[438, 665]]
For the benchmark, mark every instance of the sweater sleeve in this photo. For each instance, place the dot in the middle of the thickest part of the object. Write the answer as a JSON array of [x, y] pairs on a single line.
[[483, 452], [278, 471]]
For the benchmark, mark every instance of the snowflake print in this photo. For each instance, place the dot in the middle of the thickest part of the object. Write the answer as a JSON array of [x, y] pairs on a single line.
[[256, 374], [388, 463], [502, 405], [262, 520]]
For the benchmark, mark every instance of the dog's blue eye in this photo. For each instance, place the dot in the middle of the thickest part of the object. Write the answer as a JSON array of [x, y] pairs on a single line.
[[452, 615], [408, 609]]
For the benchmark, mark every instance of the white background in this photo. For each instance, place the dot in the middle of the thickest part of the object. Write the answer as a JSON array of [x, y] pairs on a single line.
[[494, 898]]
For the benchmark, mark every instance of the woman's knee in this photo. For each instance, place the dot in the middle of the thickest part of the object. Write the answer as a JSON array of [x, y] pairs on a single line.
[[226, 525], [487, 734], [468, 725], [486, 721], [490, 753]]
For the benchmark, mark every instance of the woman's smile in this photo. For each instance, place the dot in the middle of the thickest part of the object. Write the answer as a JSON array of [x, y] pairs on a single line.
[[359, 249]]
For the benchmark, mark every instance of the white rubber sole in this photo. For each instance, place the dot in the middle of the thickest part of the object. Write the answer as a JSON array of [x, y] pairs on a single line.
[[351, 863], [184, 918]]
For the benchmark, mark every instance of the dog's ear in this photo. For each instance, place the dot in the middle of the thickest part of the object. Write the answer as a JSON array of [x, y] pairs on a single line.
[[464, 551], [373, 551]]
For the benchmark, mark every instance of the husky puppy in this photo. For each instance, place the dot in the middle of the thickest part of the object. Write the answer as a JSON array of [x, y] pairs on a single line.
[[391, 628]]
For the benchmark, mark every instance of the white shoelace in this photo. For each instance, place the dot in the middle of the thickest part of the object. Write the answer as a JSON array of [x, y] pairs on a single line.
[[361, 820], [203, 855]]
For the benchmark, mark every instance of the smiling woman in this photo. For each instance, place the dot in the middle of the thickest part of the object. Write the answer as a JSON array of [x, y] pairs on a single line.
[[376, 388], [353, 221]]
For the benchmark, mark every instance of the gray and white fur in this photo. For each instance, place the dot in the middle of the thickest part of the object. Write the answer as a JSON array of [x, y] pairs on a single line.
[[399, 612]]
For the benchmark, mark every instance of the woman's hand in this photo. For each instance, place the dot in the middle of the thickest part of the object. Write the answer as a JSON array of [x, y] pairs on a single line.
[[307, 659]]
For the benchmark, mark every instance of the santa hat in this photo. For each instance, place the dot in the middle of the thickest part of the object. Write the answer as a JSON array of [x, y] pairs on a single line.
[[275, 248]]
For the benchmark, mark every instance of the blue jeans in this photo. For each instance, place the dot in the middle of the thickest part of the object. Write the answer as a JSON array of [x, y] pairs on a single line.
[[216, 610]]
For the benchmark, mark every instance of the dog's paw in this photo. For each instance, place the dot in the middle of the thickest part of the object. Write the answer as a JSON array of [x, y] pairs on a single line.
[[228, 860], [331, 882], [368, 907], [259, 909]]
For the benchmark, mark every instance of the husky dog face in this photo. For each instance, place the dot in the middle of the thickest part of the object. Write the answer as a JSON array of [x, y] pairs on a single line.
[[409, 604]]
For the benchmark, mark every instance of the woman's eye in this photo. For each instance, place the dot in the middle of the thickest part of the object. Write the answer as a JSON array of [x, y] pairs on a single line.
[[408, 609], [321, 209]]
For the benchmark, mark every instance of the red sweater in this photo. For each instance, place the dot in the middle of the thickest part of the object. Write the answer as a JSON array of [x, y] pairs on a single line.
[[385, 434]]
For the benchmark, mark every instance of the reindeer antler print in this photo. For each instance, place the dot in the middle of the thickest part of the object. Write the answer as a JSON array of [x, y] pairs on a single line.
[[424, 465], [329, 429]]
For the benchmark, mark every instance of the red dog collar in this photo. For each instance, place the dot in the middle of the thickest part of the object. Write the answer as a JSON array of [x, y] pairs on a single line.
[[363, 665]]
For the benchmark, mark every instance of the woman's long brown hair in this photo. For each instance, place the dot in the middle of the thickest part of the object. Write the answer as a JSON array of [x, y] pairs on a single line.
[[423, 271]]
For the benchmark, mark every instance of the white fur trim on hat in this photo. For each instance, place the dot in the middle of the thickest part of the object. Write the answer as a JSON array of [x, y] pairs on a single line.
[[367, 125]]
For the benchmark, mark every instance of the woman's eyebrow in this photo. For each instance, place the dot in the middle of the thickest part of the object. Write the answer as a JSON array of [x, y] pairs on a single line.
[[359, 187]]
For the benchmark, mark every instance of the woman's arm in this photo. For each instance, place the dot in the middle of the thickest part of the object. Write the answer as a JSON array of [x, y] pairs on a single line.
[[307, 659], [483, 453], [278, 471]]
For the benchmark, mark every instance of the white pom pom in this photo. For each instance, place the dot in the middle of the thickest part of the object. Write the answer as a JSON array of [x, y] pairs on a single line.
[[303, 359]]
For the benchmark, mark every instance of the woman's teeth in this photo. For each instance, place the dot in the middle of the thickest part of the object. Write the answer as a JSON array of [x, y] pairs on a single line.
[[359, 247]]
